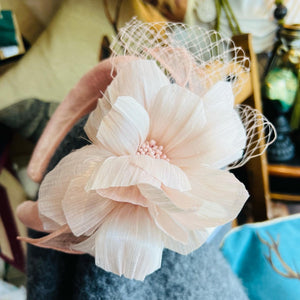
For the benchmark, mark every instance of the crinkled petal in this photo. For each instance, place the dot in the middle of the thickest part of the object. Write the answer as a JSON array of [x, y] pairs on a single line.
[[86, 246], [84, 210], [60, 240], [219, 197], [168, 225], [189, 220], [219, 98], [124, 127], [183, 200], [119, 172], [222, 196], [223, 137], [176, 119], [140, 79], [96, 116], [167, 173], [170, 200], [156, 195], [129, 243], [130, 194], [56, 182], [28, 213], [196, 239]]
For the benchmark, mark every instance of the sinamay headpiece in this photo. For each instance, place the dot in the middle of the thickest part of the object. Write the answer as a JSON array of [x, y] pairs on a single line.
[[163, 137]]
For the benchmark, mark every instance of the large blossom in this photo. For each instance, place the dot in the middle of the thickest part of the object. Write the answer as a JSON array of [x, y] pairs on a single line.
[[152, 177]]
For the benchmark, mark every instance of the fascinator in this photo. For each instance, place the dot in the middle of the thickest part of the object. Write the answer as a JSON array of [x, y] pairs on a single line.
[[164, 133]]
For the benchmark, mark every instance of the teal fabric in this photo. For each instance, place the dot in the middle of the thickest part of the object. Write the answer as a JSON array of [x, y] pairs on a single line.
[[247, 256], [7, 29]]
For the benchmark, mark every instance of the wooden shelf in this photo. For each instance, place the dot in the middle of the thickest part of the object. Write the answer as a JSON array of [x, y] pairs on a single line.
[[284, 171], [285, 197]]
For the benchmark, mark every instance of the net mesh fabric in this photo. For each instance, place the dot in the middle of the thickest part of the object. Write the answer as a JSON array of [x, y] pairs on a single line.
[[208, 57], [260, 134], [196, 58]]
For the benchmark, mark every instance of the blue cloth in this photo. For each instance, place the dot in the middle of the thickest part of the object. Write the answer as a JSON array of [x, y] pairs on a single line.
[[247, 256]]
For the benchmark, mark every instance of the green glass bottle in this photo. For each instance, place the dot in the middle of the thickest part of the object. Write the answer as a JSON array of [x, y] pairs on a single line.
[[281, 91]]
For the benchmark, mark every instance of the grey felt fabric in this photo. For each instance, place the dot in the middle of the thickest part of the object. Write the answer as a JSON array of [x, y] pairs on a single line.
[[204, 274], [29, 117]]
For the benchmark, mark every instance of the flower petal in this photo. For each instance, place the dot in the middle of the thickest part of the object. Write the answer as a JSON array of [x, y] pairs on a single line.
[[59, 240], [168, 225], [130, 194], [183, 200], [86, 246], [222, 196], [140, 79], [55, 184], [129, 243], [28, 213], [212, 100], [170, 200], [189, 220], [119, 172], [196, 238], [84, 210], [156, 195], [219, 197], [176, 118], [124, 127], [223, 138], [168, 174], [93, 123]]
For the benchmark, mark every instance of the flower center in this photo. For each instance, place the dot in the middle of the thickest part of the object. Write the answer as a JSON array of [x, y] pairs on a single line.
[[152, 149]]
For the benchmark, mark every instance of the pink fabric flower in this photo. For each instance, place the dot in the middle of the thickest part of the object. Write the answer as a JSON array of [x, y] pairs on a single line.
[[152, 178]]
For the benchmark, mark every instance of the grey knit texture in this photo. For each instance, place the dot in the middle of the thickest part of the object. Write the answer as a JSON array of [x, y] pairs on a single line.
[[204, 274]]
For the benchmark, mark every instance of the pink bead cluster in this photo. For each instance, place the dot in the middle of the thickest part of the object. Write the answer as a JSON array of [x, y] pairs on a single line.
[[152, 149]]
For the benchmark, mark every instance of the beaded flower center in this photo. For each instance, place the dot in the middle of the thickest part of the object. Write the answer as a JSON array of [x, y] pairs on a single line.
[[152, 149]]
